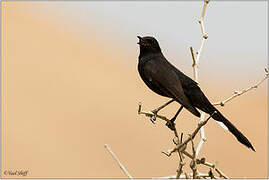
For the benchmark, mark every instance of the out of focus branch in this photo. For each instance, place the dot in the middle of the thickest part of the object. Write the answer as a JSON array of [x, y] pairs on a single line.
[[118, 161]]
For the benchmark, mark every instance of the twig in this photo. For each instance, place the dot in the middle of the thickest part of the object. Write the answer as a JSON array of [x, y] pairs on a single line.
[[164, 105], [202, 136], [238, 93], [187, 176], [187, 154], [193, 162], [181, 163], [118, 161], [213, 166], [179, 147], [205, 36], [152, 114], [210, 174]]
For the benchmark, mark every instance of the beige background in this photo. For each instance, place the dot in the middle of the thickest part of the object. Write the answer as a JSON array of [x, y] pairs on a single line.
[[64, 98]]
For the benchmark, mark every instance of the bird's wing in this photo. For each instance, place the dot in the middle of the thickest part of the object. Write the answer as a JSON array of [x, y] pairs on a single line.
[[197, 97], [165, 78]]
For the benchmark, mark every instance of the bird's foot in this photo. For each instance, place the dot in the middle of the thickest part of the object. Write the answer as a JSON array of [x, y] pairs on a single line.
[[153, 119], [171, 124], [154, 116]]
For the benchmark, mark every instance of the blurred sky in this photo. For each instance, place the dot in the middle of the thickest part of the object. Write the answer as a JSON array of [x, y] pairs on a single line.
[[234, 28], [237, 31], [71, 85]]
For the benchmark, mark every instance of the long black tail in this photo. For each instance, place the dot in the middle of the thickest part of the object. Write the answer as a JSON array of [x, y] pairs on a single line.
[[239, 136]]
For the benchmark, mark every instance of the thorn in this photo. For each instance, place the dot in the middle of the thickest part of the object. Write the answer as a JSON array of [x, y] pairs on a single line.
[[152, 119], [236, 92], [175, 140], [205, 36], [168, 154], [210, 174], [202, 160], [139, 107]]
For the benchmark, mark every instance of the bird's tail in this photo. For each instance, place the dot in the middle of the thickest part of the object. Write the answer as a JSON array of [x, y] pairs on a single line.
[[239, 136]]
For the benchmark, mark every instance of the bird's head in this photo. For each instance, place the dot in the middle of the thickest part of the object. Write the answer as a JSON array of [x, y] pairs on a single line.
[[148, 44]]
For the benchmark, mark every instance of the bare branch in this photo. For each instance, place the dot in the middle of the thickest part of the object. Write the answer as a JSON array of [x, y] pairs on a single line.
[[213, 166], [238, 93], [193, 59], [187, 176], [153, 114], [210, 174], [187, 154], [195, 70], [193, 162], [204, 37], [181, 157], [118, 161], [179, 147], [202, 136]]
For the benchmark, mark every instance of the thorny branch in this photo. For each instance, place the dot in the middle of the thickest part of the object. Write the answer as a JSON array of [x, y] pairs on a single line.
[[195, 71], [213, 166], [181, 147], [205, 36], [193, 162], [151, 114], [202, 135], [238, 93], [181, 163]]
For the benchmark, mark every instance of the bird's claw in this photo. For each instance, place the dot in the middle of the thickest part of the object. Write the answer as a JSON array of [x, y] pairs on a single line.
[[154, 116], [153, 119], [171, 125]]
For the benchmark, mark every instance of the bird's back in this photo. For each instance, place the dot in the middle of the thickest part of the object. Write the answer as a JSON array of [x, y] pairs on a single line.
[[165, 79]]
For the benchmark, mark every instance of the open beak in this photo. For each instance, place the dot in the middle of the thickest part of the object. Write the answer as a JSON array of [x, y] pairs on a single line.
[[140, 38], [142, 41]]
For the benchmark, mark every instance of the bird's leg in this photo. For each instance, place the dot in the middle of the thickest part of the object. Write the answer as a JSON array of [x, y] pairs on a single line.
[[155, 111], [171, 123]]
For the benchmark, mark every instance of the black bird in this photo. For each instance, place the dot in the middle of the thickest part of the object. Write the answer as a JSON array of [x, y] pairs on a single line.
[[166, 80]]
